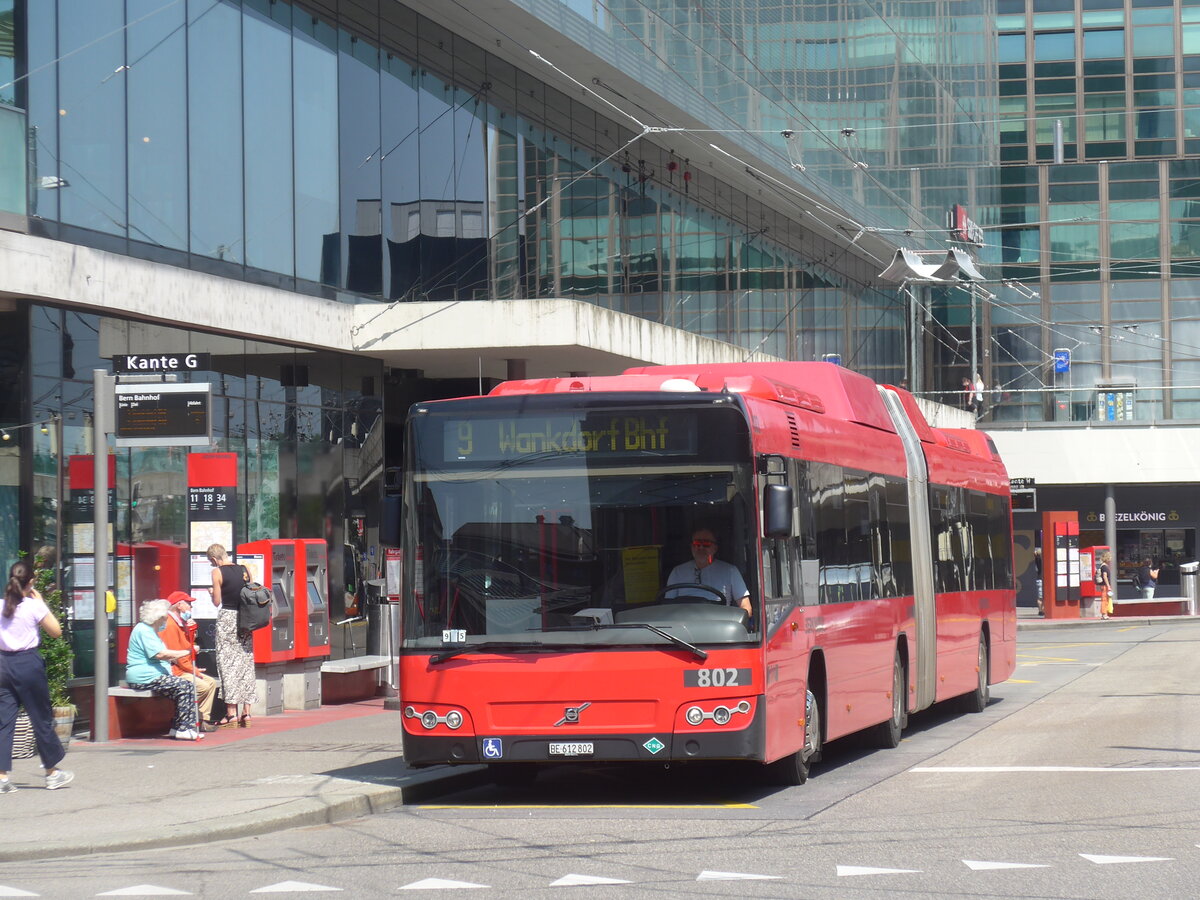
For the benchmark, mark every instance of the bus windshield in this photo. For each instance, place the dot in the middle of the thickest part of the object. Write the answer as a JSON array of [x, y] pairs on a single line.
[[554, 522]]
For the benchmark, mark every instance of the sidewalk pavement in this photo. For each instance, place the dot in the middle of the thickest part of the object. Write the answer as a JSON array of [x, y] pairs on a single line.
[[299, 768]]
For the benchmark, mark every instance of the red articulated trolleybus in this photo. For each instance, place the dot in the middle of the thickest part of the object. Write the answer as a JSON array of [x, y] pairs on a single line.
[[543, 521]]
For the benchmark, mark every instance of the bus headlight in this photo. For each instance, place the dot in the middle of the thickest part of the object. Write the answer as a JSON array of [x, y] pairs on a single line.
[[718, 715], [431, 719]]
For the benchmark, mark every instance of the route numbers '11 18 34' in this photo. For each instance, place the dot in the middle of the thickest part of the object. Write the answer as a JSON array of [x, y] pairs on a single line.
[[546, 526]]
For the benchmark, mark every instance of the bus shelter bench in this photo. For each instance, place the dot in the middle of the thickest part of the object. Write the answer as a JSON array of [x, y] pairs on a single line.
[[136, 713], [351, 679], [1157, 606]]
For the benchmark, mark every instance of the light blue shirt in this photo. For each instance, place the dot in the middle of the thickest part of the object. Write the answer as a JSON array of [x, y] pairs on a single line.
[[718, 574], [144, 645]]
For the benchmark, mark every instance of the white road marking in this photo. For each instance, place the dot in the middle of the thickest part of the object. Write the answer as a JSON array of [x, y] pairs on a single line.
[[980, 866], [867, 870], [15, 892], [437, 884], [144, 890], [292, 887], [572, 880], [968, 770], [1110, 860], [732, 876]]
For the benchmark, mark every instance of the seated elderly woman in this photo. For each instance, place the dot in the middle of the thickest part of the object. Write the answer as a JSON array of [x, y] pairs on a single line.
[[149, 668]]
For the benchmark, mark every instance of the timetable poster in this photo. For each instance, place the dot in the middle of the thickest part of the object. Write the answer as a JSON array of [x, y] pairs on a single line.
[[212, 509]]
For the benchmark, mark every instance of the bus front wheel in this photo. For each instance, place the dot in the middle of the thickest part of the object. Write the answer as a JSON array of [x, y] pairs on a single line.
[[793, 770]]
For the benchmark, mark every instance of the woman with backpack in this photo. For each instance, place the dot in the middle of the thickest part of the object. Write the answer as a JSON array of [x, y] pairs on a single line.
[[235, 651]]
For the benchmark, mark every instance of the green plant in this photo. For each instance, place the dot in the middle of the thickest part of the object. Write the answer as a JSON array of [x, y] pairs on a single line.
[[57, 651]]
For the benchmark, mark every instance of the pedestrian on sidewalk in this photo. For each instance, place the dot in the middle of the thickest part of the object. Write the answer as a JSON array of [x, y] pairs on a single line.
[[235, 651], [23, 676], [1106, 585], [148, 668], [180, 634]]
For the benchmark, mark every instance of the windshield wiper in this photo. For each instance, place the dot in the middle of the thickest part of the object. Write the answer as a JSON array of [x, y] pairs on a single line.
[[603, 626]]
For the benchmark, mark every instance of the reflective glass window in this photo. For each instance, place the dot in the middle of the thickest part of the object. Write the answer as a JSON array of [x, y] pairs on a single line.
[[1094, 18], [215, 130], [1191, 39], [1161, 16], [8, 93], [157, 124], [1011, 48], [1191, 122], [1104, 117], [1154, 98], [267, 132], [400, 165], [1158, 40], [1053, 45], [360, 244], [1155, 123], [1070, 243], [1101, 44], [91, 50], [315, 118], [1133, 209]]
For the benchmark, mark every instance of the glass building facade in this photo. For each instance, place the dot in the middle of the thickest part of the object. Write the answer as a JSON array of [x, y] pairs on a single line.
[[1104, 243], [359, 150], [366, 151]]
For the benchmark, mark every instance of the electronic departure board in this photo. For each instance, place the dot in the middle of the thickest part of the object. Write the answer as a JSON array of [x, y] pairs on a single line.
[[493, 439], [163, 415]]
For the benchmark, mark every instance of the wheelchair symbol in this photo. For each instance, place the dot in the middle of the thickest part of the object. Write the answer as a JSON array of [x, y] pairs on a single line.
[[493, 748]]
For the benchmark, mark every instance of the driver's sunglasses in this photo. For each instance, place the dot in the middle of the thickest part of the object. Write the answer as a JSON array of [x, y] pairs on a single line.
[[704, 544]]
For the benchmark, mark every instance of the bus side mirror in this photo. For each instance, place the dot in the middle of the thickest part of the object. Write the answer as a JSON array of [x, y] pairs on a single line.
[[777, 511]]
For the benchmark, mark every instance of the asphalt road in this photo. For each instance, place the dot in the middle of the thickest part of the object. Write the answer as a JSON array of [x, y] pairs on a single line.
[[1080, 780]]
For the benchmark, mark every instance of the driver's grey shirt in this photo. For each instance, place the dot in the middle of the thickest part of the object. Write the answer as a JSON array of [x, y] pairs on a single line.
[[718, 574]]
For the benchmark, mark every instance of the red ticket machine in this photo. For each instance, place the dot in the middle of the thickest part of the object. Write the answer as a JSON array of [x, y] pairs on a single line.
[[312, 598], [273, 563], [1090, 589]]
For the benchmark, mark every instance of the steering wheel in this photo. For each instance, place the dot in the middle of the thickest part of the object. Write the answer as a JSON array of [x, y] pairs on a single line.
[[718, 596]]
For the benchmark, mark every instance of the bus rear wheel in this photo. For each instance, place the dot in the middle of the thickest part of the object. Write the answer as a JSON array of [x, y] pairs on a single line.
[[977, 700], [887, 734]]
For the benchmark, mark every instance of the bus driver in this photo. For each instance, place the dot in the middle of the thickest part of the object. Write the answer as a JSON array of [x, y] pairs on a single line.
[[706, 569]]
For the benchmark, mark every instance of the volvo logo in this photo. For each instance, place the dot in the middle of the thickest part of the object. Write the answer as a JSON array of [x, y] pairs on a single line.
[[571, 714]]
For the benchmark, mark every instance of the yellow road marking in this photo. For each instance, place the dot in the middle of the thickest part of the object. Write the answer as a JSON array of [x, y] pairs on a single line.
[[1019, 681], [1066, 659]]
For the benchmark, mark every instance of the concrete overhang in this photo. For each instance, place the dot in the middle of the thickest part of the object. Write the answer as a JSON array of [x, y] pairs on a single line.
[[459, 339], [1103, 454]]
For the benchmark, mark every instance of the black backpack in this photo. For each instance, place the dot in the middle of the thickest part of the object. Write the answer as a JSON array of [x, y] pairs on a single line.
[[254, 606]]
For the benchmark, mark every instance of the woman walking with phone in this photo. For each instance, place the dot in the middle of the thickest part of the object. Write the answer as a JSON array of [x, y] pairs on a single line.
[[23, 676]]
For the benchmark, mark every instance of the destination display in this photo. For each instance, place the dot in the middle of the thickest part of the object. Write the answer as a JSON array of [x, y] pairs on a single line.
[[150, 415], [669, 433]]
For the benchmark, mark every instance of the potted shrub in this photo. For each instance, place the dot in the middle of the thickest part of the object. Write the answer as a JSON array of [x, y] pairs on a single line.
[[56, 652]]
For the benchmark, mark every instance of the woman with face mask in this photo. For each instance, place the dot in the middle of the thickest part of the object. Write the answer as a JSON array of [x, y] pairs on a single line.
[[148, 668]]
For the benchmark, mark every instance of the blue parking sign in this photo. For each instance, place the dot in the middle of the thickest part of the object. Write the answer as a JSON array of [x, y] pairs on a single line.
[[1062, 361]]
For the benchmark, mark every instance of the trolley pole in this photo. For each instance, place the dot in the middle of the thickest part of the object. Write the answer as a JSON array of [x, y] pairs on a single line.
[[102, 424]]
